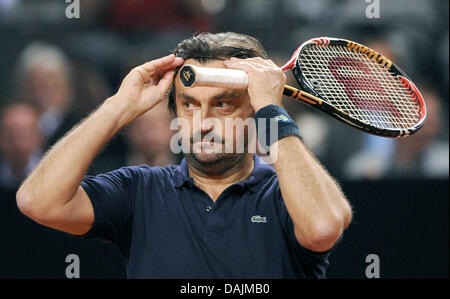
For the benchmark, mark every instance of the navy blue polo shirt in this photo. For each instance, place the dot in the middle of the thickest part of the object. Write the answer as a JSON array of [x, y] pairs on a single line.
[[167, 227]]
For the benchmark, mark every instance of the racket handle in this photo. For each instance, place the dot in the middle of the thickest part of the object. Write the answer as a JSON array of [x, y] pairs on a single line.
[[191, 76]]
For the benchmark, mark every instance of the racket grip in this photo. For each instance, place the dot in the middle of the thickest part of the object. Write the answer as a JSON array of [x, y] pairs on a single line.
[[191, 76]]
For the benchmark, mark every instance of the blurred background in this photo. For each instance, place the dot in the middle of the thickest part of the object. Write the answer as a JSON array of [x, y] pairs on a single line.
[[55, 70]]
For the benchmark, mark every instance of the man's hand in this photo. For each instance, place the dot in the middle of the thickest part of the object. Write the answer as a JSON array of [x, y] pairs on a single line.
[[145, 86], [265, 80]]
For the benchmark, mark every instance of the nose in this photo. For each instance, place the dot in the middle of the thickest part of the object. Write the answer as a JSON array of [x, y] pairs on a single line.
[[207, 122], [206, 126]]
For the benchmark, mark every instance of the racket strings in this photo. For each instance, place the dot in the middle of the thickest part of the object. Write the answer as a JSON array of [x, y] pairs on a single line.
[[359, 87]]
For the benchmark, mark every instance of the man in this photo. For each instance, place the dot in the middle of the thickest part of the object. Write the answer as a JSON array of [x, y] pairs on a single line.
[[46, 69], [149, 138], [48, 72], [20, 143], [217, 215]]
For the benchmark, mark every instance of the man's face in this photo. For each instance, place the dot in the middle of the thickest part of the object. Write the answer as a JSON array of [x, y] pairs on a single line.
[[48, 87], [150, 133], [19, 133], [213, 106]]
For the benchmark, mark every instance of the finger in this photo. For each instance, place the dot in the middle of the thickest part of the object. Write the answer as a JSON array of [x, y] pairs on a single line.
[[166, 81], [257, 60], [162, 64], [244, 65], [161, 89], [249, 61], [152, 71], [158, 85], [146, 77], [253, 67]]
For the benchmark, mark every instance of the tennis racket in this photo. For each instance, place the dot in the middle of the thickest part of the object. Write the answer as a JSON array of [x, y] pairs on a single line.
[[344, 79]]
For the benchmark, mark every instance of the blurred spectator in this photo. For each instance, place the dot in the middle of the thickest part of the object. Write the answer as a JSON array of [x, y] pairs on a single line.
[[149, 138], [44, 79], [421, 155], [91, 87], [20, 143], [48, 76]]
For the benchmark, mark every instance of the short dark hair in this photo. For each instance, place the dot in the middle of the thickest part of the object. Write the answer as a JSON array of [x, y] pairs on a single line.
[[205, 47]]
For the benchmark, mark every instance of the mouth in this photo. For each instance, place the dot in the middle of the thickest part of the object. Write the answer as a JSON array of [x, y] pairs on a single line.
[[207, 142], [207, 146]]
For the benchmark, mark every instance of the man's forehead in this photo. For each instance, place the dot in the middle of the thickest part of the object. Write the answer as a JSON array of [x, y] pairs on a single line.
[[214, 63]]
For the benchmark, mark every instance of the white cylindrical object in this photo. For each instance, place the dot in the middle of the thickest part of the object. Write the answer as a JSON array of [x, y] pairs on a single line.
[[217, 77]]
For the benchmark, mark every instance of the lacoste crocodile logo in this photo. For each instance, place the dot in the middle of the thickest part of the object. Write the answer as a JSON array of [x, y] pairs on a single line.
[[259, 219], [281, 118]]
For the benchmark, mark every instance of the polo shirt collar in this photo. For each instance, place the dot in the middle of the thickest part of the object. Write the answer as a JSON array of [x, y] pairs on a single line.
[[260, 174], [181, 175]]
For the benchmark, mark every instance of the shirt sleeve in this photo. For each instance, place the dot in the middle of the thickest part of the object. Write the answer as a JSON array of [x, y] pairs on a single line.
[[112, 196], [317, 261]]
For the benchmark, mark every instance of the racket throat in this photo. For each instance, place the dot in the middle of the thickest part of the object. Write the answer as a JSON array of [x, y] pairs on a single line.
[[302, 96]]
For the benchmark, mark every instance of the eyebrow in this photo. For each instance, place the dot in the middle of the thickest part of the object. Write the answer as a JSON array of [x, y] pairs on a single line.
[[221, 96], [187, 97], [227, 95]]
